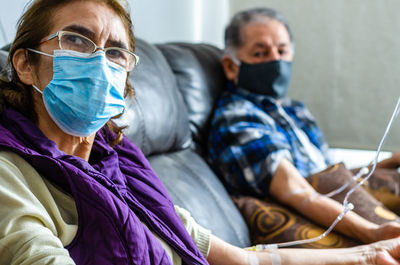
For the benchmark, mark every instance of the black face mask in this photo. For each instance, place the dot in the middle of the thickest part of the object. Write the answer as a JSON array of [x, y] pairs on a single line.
[[270, 78]]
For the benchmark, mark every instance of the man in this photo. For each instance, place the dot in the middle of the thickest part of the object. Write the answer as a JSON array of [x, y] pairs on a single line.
[[263, 143]]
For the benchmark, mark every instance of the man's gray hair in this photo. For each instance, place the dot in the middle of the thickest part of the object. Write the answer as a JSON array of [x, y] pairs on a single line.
[[233, 38]]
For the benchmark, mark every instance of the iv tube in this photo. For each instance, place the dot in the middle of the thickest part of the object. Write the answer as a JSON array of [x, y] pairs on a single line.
[[363, 171], [347, 206]]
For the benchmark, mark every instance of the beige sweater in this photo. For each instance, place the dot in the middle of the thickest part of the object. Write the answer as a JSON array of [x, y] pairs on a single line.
[[37, 219]]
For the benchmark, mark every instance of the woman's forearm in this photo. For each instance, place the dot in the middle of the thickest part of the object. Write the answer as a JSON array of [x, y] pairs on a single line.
[[343, 256], [379, 253]]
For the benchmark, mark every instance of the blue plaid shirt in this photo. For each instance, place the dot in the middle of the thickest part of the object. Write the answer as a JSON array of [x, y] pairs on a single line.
[[251, 133]]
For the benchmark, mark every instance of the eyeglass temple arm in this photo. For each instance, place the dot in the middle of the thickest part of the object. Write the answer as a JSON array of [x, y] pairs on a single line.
[[52, 36]]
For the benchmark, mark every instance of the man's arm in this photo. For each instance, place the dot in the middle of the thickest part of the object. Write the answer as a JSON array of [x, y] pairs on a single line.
[[391, 162], [380, 253], [290, 188]]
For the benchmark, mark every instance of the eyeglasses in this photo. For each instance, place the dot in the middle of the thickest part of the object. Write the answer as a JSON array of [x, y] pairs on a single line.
[[77, 42]]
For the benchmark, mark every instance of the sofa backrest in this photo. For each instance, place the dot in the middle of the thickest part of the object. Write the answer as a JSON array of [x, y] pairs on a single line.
[[3, 59], [3, 62], [179, 84], [200, 78], [156, 117]]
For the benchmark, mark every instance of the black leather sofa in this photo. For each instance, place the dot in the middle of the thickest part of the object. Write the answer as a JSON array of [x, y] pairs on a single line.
[[176, 86]]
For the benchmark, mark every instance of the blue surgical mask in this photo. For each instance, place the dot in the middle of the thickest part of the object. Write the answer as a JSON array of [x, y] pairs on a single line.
[[85, 92], [269, 78]]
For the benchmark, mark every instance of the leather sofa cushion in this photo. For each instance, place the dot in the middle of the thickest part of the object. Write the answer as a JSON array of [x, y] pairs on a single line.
[[193, 186], [3, 60], [200, 79], [156, 117]]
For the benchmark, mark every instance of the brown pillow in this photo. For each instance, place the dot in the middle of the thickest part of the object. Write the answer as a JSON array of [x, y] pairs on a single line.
[[270, 222], [365, 204], [384, 185]]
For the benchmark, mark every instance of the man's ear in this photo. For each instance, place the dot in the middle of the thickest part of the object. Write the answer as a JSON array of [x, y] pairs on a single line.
[[230, 68], [22, 66]]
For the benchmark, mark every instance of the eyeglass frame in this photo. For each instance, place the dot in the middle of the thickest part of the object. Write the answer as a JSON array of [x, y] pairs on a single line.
[[57, 34]]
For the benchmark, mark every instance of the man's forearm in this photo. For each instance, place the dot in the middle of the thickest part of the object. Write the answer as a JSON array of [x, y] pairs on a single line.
[[324, 211], [290, 188]]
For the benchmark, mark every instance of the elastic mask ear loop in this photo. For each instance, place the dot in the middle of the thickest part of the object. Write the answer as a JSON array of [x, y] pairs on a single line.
[[238, 63], [37, 89], [43, 53], [235, 60]]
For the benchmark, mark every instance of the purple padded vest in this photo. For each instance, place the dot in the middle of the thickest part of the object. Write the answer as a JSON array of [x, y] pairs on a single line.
[[114, 193]]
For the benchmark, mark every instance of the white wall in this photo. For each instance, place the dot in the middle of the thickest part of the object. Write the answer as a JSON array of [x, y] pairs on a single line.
[[10, 11], [180, 20], [346, 65], [154, 20]]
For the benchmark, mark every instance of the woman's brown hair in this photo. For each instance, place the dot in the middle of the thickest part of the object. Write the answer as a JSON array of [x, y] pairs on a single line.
[[33, 26]]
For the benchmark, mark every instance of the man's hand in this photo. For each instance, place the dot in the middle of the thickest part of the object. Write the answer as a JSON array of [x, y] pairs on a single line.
[[386, 231], [391, 162]]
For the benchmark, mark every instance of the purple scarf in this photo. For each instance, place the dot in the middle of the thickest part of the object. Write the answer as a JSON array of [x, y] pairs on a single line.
[[114, 193]]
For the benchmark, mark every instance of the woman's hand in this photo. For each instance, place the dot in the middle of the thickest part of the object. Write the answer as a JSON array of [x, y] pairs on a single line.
[[386, 252]]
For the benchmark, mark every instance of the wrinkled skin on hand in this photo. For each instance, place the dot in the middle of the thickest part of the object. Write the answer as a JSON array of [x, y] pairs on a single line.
[[386, 252]]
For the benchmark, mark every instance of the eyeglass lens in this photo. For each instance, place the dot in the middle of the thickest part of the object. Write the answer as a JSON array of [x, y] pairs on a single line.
[[82, 44]]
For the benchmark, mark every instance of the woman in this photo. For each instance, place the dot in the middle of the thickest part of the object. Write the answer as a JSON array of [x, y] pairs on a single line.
[[75, 191]]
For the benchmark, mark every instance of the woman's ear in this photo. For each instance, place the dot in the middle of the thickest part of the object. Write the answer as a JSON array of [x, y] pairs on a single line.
[[230, 68], [23, 67]]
